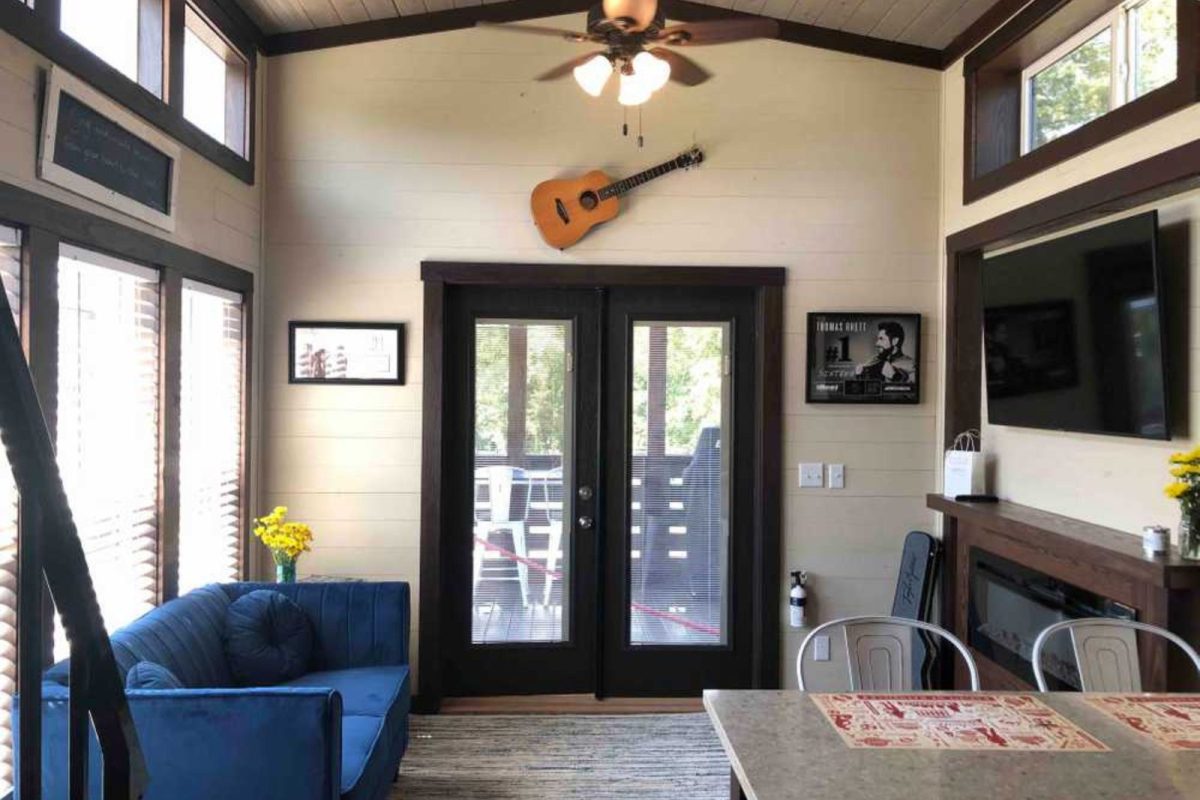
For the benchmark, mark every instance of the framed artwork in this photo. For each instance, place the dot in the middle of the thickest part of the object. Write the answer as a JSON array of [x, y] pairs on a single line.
[[864, 358], [357, 353]]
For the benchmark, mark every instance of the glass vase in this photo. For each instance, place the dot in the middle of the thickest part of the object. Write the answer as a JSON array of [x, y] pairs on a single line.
[[1189, 536], [285, 570]]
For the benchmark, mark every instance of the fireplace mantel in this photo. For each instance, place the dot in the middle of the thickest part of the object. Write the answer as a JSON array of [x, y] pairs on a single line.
[[1164, 590]]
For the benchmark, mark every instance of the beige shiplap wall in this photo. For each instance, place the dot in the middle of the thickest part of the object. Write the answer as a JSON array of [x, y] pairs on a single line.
[[1105, 480], [385, 154], [218, 215]]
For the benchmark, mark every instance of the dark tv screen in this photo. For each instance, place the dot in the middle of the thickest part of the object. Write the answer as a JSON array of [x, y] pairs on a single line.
[[1073, 333]]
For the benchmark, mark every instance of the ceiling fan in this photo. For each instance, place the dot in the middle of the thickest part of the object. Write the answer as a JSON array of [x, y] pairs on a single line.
[[636, 44]]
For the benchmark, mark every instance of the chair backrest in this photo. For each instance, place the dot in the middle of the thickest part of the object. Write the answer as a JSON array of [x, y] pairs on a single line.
[[1106, 652], [500, 490], [879, 652]]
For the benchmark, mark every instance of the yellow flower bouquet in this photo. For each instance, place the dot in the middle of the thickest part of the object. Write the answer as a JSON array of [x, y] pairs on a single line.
[[286, 541], [1185, 469]]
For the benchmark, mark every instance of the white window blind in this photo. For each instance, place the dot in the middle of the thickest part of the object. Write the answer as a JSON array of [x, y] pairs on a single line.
[[108, 390], [210, 454], [10, 276]]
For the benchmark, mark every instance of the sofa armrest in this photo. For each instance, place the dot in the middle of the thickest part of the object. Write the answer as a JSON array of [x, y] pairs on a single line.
[[357, 624], [235, 744]]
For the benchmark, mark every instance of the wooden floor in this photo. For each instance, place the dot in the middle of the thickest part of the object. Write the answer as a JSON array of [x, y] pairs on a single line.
[[571, 704]]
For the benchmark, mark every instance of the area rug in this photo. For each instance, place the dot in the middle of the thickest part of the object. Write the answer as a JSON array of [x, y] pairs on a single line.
[[647, 756]]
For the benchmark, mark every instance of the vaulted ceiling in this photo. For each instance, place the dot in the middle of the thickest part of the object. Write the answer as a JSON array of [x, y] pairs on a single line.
[[930, 24]]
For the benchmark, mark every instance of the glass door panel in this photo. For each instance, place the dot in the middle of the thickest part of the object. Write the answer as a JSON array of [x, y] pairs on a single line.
[[522, 459], [678, 530]]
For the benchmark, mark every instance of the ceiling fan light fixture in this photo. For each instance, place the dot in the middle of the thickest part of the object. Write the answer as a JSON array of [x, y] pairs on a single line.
[[635, 89], [653, 71], [593, 74]]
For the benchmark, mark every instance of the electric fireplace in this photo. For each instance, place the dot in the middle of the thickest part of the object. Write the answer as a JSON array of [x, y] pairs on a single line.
[[1010, 604]]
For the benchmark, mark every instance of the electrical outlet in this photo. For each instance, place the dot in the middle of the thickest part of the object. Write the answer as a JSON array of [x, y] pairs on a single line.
[[837, 476], [821, 648], [812, 475]]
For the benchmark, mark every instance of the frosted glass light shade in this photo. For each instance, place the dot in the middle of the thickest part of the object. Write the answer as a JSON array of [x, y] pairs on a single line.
[[593, 74], [654, 71], [634, 90]]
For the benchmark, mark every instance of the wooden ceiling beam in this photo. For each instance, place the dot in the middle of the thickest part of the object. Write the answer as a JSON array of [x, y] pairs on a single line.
[[682, 10], [518, 10], [419, 24]]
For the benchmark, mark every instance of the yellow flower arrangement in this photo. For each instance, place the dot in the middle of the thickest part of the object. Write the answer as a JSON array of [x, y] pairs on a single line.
[[286, 540], [1186, 472]]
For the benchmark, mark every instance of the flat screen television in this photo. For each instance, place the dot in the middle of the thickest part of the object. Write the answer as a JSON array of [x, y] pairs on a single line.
[[1073, 333]]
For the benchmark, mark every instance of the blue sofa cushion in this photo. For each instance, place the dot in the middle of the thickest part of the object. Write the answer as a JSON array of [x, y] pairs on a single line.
[[148, 675], [268, 639], [356, 624], [184, 635], [375, 705]]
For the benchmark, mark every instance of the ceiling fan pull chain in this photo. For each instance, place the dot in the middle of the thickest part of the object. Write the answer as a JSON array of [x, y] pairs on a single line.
[[624, 120], [640, 140]]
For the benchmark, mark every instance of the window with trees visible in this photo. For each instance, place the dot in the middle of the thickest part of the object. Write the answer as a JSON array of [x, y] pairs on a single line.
[[1125, 54], [10, 277], [215, 83]]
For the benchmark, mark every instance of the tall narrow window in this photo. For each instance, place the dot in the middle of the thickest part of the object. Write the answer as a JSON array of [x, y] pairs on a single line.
[[210, 454], [125, 34], [215, 83], [10, 277], [108, 386], [1128, 52]]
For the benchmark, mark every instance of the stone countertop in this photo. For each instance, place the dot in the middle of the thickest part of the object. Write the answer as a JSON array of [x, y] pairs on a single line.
[[781, 747]]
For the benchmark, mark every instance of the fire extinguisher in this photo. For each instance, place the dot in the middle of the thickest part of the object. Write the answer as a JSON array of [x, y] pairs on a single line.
[[797, 598]]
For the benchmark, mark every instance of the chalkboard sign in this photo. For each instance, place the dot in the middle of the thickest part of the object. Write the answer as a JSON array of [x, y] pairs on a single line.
[[94, 148], [98, 148]]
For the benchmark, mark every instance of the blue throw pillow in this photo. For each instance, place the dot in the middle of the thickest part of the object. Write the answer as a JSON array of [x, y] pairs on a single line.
[[268, 639], [148, 675]]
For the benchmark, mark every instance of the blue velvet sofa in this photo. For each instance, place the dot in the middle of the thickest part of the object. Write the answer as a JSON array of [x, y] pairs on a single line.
[[337, 732]]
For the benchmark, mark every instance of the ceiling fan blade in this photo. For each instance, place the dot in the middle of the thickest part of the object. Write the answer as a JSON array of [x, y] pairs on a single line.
[[718, 31], [538, 30], [637, 14], [565, 69], [683, 69]]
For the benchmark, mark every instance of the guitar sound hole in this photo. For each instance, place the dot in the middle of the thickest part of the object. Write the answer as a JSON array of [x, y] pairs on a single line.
[[589, 201]]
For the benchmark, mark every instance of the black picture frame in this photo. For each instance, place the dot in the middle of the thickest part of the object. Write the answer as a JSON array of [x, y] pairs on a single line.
[[845, 367], [396, 376]]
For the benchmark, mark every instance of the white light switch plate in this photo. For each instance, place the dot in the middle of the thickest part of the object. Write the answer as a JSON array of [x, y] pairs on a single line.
[[812, 475], [837, 476], [821, 648]]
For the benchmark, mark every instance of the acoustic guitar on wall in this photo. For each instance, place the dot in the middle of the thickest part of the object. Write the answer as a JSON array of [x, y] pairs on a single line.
[[565, 210]]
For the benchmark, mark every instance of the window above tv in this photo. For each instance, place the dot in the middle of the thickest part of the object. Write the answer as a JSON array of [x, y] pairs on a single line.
[[1064, 76]]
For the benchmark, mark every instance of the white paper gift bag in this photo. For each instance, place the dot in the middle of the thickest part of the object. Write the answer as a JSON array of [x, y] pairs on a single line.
[[964, 472]]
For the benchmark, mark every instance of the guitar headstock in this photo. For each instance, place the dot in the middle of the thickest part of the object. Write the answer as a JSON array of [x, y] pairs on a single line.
[[692, 158]]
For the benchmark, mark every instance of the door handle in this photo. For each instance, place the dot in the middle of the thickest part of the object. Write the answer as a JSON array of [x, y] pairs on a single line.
[[585, 523]]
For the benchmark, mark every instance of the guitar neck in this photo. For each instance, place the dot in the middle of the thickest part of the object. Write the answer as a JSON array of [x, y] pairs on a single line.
[[633, 181]]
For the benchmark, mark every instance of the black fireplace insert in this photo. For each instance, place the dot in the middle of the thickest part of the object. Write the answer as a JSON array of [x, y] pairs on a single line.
[[1010, 605]]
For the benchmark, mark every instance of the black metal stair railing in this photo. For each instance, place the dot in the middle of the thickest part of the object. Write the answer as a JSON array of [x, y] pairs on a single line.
[[96, 689]]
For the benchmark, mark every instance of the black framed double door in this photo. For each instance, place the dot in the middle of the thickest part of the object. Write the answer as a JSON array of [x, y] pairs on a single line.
[[599, 464]]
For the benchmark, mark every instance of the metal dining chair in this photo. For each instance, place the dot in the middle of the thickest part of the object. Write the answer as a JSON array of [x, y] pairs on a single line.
[[1106, 652], [879, 652], [500, 481]]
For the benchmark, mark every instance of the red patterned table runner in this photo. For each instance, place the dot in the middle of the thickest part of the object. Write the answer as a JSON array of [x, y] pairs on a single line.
[[952, 722], [1172, 721]]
